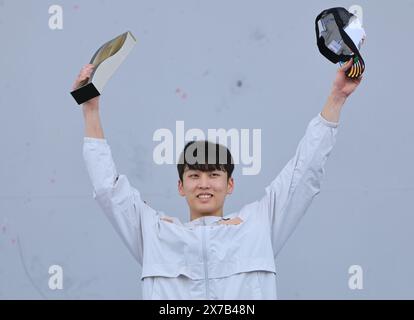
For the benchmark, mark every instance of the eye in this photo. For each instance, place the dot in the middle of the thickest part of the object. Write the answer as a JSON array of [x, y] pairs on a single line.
[[214, 174], [193, 175]]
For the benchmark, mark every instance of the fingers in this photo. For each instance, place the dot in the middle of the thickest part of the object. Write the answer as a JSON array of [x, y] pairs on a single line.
[[358, 80], [84, 74], [346, 66]]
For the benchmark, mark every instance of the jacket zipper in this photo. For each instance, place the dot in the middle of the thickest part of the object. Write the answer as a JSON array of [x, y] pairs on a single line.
[[205, 261]]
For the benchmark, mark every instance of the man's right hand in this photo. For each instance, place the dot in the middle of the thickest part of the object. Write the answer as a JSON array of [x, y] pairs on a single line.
[[85, 73], [93, 126]]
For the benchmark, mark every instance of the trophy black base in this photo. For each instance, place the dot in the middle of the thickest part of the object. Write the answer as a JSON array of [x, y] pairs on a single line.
[[85, 93]]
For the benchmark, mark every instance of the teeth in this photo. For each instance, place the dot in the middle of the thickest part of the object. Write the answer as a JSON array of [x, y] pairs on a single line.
[[204, 196]]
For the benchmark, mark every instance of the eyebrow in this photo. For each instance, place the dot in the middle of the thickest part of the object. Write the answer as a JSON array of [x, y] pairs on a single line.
[[189, 171]]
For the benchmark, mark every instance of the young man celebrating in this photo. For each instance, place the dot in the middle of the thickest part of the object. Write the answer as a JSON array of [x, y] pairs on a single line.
[[212, 256]]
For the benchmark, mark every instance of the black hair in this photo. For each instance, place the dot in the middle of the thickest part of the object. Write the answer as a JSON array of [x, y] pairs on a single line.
[[205, 156]]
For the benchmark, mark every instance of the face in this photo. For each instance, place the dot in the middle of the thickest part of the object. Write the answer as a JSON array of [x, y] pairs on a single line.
[[205, 192]]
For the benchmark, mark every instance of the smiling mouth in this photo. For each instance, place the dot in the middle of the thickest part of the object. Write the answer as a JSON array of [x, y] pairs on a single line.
[[204, 196]]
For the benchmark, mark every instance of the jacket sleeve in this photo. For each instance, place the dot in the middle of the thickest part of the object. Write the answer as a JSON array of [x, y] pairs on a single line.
[[290, 194], [120, 202]]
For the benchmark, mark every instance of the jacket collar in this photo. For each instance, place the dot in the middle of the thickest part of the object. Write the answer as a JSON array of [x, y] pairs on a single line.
[[204, 221]]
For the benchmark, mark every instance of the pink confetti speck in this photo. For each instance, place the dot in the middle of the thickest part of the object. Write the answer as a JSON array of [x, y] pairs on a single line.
[[183, 95], [52, 180], [76, 7], [13, 241]]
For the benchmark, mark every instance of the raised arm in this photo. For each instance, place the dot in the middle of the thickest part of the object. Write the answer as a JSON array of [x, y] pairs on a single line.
[[342, 88], [93, 127], [290, 194], [120, 202]]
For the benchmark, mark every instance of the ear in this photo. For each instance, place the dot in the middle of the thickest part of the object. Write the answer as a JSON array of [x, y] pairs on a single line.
[[230, 185], [180, 188]]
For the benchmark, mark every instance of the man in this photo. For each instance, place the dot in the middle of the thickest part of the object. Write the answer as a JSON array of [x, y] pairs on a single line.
[[212, 256]]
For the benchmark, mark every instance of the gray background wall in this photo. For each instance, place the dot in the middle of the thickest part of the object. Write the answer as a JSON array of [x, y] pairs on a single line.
[[363, 216]]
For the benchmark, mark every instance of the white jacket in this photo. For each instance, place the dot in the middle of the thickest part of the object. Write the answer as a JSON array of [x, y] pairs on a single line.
[[211, 257]]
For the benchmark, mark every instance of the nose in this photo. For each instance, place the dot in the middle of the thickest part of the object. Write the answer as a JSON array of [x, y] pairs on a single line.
[[204, 181]]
